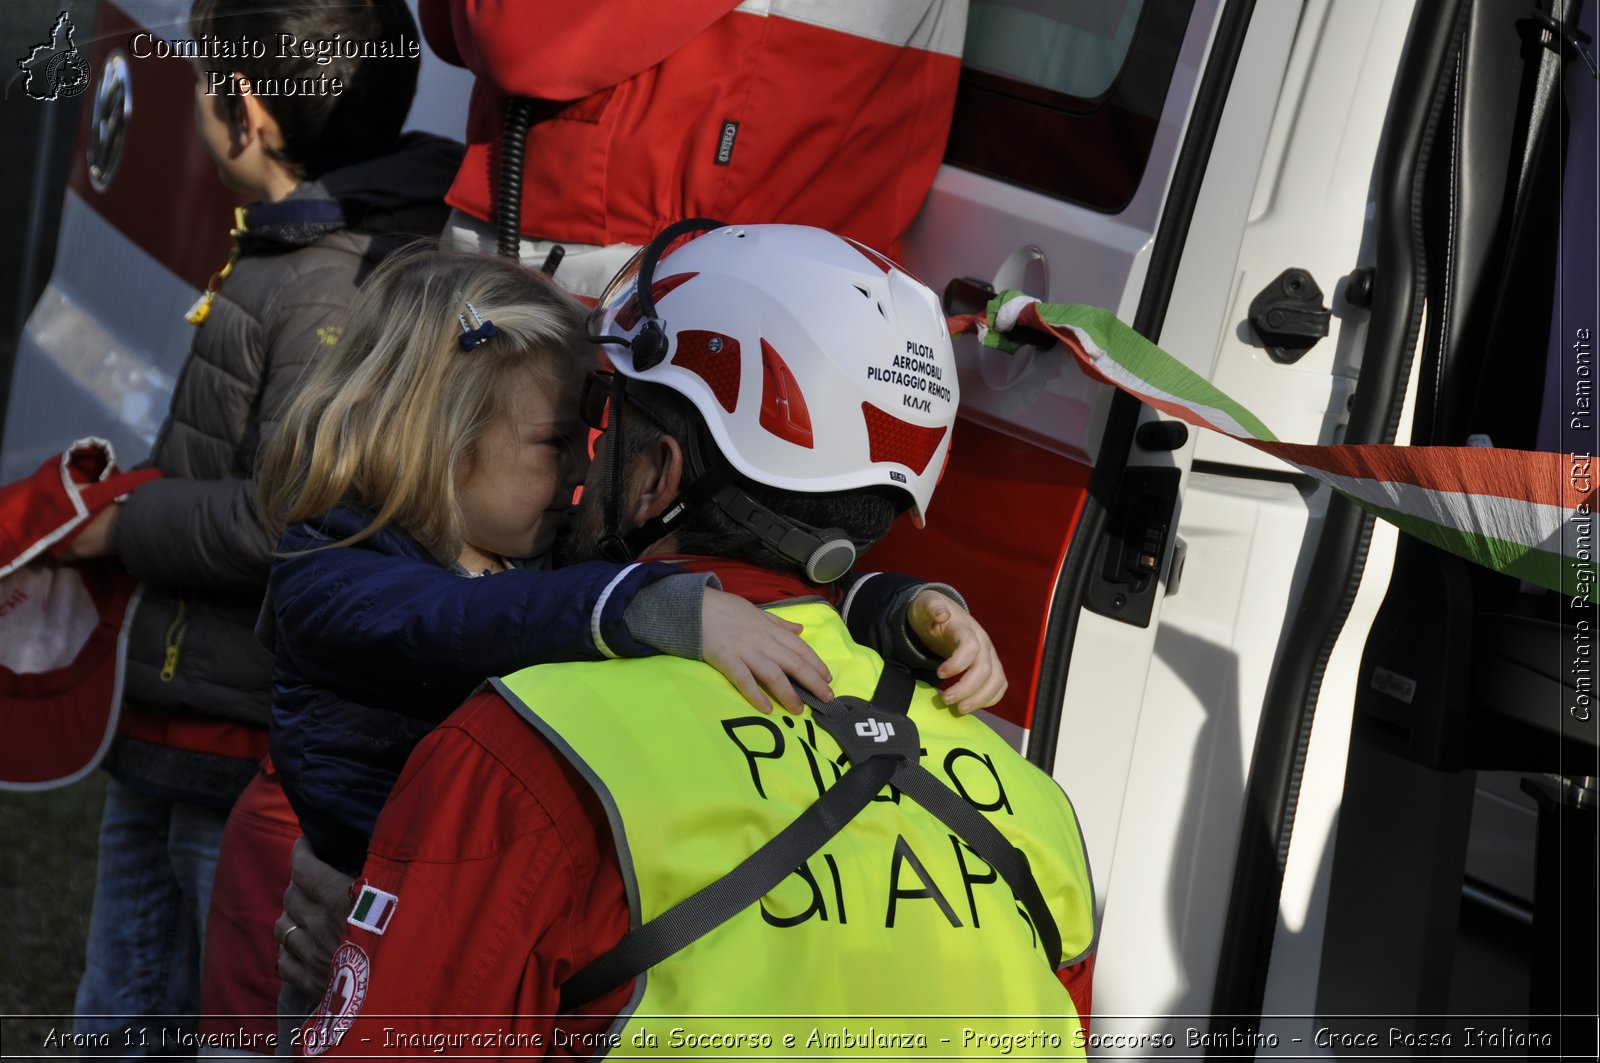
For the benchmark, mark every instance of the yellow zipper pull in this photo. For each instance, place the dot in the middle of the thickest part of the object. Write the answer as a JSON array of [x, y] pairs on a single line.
[[169, 666], [202, 306]]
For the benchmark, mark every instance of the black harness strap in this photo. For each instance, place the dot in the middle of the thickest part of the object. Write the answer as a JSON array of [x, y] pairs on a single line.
[[893, 692], [895, 688], [645, 946], [972, 827]]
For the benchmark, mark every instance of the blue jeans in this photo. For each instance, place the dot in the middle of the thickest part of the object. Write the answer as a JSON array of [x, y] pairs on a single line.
[[141, 982]]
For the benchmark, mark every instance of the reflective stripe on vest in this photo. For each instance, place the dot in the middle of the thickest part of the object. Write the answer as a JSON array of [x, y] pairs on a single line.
[[894, 935]]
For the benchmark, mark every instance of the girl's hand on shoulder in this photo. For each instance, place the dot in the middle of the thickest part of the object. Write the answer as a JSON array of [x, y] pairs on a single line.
[[949, 631], [760, 653]]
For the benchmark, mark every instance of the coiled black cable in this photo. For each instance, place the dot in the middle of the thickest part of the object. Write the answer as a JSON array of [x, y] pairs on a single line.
[[508, 195]]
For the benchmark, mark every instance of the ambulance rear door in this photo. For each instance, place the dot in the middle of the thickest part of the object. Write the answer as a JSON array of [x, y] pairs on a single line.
[[1173, 162]]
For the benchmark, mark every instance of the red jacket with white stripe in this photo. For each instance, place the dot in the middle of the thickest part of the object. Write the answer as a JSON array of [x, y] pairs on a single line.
[[812, 112]]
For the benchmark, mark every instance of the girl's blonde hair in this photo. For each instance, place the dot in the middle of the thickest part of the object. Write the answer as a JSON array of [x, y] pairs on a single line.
[[387, 415]]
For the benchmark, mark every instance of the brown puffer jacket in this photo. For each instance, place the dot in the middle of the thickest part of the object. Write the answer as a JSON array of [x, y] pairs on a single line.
[[194, 538]]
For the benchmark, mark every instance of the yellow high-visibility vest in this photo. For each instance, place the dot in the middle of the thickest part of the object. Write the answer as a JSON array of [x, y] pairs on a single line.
[[894, 940]]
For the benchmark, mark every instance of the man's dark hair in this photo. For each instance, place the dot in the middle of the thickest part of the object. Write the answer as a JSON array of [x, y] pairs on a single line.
[[321, 131], [864, 514]]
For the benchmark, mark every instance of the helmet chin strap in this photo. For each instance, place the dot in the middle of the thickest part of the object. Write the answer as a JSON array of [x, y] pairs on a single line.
[[623, 547], [823, 554], [613, 547]]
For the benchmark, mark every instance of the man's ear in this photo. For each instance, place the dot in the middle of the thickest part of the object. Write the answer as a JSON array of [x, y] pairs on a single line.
[[659, 477], [252, 121]]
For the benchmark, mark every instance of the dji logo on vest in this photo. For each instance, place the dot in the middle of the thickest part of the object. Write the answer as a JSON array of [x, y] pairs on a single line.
[[878, 732]]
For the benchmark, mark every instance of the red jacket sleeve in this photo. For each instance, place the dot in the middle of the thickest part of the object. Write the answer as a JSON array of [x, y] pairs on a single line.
[[557, 51], [481, 898], [1079, 979]]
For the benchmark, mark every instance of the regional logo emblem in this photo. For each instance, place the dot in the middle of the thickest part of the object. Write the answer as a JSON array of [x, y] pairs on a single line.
[[55, 69]]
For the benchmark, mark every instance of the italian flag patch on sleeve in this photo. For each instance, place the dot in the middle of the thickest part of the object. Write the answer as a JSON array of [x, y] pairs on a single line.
[[373, 909]]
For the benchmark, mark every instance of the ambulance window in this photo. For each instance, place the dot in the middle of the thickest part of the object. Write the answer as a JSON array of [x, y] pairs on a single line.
[[1064, 96]]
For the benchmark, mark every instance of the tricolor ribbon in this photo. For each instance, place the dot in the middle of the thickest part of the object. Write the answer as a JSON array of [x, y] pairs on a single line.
[[1520, 512]]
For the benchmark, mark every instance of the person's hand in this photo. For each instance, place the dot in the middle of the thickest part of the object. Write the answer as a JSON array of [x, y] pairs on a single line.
[[95, 538], [312, 924], [949, 631], [757, 650]]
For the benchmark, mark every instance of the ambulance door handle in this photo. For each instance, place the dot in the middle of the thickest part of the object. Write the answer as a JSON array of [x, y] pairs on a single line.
[[1127, 567], [967, 295]]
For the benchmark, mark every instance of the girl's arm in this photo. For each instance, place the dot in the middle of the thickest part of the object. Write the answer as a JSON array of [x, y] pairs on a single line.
[[689, 616], [349, 610], [926, 628], [352, 616]]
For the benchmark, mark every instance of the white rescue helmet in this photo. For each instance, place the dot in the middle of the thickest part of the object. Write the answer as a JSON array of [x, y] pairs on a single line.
[[817, 363]]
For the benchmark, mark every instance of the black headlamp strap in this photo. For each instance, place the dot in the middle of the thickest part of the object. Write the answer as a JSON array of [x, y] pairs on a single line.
[[616, 545], [824, 554], [780, 534]]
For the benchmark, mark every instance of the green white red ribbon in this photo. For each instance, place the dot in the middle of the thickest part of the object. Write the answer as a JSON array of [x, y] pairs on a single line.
[[1520, 512]]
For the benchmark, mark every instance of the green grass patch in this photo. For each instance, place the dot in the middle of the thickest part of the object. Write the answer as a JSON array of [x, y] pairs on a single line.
[[47, 863]]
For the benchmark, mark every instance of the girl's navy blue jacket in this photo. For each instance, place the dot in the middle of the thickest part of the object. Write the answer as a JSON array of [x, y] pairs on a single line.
[[377, 643]]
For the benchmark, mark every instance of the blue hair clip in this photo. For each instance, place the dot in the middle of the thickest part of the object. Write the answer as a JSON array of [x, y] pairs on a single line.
[[473, 337]]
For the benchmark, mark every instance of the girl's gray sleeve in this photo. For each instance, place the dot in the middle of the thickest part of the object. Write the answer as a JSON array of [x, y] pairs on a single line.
[[667, 614]]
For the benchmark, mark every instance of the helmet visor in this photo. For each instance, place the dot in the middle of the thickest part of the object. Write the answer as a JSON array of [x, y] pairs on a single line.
[[614, 303], [621, 288]]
